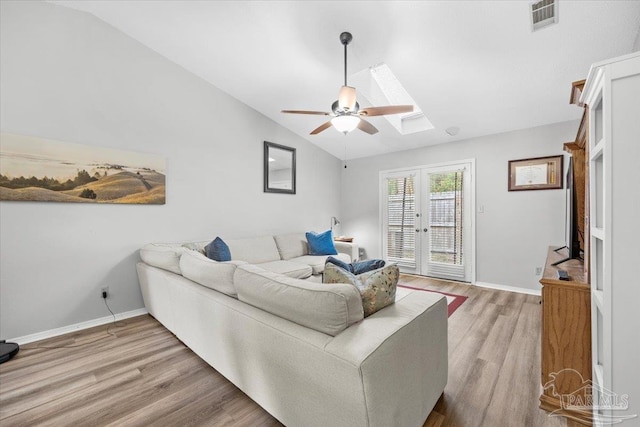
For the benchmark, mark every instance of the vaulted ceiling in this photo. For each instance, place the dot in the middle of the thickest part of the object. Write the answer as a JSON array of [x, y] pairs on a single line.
[[475, 65]]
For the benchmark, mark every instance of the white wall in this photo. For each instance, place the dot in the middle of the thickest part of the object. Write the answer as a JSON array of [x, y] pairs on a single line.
[[68, 76], [515, 229]]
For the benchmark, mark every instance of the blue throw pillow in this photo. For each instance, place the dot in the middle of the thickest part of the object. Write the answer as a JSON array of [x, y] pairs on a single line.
[[368, 265], [321, 244], [343, 265], [218, 250]]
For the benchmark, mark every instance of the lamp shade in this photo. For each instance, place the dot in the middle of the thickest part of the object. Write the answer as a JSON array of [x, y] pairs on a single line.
[[345, 124], [347, 98]]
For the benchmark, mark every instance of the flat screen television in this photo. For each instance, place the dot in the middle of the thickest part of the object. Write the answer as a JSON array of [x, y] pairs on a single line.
[[572, 242]]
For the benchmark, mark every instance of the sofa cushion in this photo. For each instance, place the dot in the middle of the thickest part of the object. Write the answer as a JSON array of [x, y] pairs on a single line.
[[207, 272], [217, 250], [292, 245], [321, 243], [162, 255], [288, 268], [316, 262], [195, 246], [377, 287], [327, 309], [254, 250]]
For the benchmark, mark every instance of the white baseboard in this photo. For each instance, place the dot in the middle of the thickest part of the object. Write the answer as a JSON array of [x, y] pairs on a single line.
[[77, 327], [527, 291]]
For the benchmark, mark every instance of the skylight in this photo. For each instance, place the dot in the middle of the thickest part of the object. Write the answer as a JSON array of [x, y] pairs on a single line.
[[381, 87]]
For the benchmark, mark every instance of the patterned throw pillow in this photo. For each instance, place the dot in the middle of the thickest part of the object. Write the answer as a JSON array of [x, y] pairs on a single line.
[[377, 287]]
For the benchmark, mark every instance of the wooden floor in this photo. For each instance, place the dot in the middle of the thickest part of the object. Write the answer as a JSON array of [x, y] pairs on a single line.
[[139, 374]]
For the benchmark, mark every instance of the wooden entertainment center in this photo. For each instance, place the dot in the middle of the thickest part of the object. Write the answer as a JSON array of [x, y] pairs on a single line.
[[566, 334], [566, 304]]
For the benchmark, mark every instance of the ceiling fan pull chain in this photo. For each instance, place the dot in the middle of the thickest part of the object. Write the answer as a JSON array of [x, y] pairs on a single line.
[[345, 153]]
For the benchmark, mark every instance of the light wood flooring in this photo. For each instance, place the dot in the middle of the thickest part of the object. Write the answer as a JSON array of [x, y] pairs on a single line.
[[139, 374]]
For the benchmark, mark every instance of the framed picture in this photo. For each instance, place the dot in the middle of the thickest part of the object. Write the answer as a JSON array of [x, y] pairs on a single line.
[[34, 169], [540, 173], [279, 168]]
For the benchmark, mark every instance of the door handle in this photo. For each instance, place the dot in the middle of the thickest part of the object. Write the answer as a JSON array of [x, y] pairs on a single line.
[[417, 230], [425, 229]]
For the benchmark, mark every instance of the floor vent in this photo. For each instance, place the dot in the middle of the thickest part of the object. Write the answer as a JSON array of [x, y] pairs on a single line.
[[543, 13]]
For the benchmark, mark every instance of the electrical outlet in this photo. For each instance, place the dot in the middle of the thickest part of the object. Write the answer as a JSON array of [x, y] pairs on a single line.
[[104, 292], [538, 271]]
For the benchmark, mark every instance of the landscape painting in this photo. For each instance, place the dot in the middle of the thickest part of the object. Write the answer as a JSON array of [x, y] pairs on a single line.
[[36, 169]]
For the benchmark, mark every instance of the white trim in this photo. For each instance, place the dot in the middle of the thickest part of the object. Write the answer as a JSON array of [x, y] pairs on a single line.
[[517, 289], [434, 165], [474, 212], [593, 79], [77, 327]]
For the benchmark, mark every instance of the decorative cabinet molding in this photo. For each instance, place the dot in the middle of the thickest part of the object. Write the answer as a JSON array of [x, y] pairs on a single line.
[[612, 93]]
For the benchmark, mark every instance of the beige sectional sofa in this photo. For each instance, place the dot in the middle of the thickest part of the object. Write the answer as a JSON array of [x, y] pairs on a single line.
[[301, 349], [286, 254]]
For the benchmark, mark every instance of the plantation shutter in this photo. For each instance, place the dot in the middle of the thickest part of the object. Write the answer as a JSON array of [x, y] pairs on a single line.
[[401, 220]]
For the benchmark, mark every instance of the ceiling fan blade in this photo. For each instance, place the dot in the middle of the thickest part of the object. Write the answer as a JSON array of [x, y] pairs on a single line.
[[320, 128], [383, 111], [317, 113], [367, 127]]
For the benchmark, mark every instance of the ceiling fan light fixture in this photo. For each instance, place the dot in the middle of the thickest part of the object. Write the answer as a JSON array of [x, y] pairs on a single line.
[[345, 123], [347, 98]]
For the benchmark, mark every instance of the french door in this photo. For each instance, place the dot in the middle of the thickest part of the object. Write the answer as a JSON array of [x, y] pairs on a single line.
[[427, 220]]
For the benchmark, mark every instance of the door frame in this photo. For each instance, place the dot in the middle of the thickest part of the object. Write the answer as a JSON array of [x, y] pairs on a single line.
[[472, 167]]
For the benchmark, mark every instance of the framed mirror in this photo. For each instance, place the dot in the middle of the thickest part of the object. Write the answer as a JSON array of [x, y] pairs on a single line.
[[279, 168]]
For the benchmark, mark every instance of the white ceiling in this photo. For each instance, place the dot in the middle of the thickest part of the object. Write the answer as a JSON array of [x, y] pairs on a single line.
[[471, 64]]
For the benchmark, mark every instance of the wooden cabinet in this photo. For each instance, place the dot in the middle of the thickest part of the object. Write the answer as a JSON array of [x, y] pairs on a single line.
[[566, 335]]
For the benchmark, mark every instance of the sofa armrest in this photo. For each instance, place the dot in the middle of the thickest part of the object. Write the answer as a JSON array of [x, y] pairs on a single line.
[[400, 351], [350, 249]]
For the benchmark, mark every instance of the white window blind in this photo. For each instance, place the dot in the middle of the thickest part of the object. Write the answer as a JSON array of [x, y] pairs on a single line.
[[401, 221], [445, 218]]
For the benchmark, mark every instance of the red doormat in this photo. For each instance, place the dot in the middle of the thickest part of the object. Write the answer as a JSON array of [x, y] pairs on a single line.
[[453, 301]]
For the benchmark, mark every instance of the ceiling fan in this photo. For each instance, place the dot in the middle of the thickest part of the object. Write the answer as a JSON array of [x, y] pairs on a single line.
[[345, 112]]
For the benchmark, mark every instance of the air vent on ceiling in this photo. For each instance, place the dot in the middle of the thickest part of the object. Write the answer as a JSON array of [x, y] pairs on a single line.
[[543, 13]]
